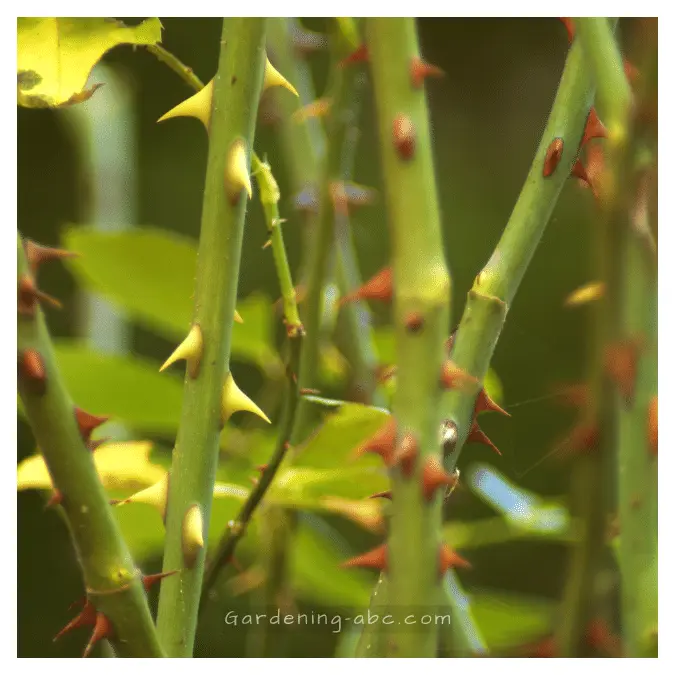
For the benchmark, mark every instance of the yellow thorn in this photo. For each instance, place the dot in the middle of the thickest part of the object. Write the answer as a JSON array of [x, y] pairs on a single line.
[[156, 495], [273, 78], [192, 536], [234, 400], [237, 317], [198, 106], [318, 108], [585, 294], [236, 171], [190, 349]]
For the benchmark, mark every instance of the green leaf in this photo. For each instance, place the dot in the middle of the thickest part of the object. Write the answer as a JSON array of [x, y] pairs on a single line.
[[150, 273], [127, 389], [343, 431], [56, 55], [507, 620]]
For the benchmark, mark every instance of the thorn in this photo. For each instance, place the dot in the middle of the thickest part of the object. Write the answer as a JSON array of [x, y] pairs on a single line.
[[621, 362], [156, 495], [476, 435], [583, 438], [262, 467], [198, 106], [404, 137], [92, 445], [149, 580], [87, 422], [307, 41], [192, 535], [414, 322], [254, 481], [36, 254], [237, 176], [54, 500], [237, 317], [360, 55], [381, 443], [447, 558], [406, 455], [375, 559], [233, 400], [87, 617], [267, 244], [102, 629], [420, 70], [569, 27], [485, 404], [453, 377], [433, 476], [553, 155], [319, 108], [29, 295], [32, 369], [273, 78], [379, 287], [653, 425], [594, 128], [385, 494], [307, 391], [190, 349], [385, 373], [585, 294]]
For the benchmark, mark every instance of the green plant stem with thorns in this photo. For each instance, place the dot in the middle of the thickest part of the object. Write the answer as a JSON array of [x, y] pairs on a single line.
[[236, 93], [269, 196], [112, 581], [627, 316], [421, 318]]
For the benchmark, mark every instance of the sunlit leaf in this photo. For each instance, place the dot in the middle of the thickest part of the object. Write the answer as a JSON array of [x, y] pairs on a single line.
[[120, 466], [56, 55]]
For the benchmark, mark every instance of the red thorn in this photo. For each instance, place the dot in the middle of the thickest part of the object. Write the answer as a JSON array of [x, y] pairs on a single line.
[[406, 456], [553, 155], [151, 579], [447, 558], [569, 27], [87, 422], [484, 404], [32, 368], [381, 443], [594, 127], [262, 467], [476, 435], [420, 70], [453, 377], [631, 72], [375, 559], [379, 287], [254, 481], [414, 322], [54, 500], [102, 629], [307, 391], [385, 494], [358, 56], [621, 361], [29, 295], [87, 617], [579, 171], [433, 476], [582, 439], [384, 373], [653, 425], [600, 637], [36, 254], [404, 137]]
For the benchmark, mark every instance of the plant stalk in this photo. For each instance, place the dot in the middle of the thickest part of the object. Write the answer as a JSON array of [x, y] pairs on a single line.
[[236, 94]]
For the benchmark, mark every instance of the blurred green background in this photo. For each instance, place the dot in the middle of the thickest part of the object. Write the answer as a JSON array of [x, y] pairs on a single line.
[[487, 116]]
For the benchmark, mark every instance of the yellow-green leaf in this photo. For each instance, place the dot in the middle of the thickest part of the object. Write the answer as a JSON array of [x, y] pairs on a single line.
[[56, 55]]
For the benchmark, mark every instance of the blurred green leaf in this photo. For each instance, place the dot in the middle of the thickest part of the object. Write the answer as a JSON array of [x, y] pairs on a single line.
[[125, 388], [507, 620], [150, 273]]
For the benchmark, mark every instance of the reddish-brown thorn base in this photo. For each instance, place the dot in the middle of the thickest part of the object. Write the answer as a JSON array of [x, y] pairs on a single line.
[[434, 476], [381, 443], [375, 559], [406, 456], [448, 558], [379, 287]]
